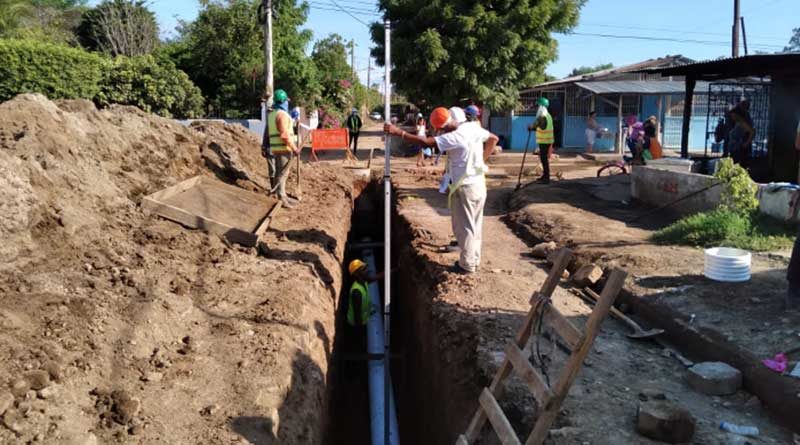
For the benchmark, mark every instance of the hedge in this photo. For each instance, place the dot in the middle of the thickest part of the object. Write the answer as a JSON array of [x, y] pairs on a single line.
[[63, 72], [57, 71], [155, 86]]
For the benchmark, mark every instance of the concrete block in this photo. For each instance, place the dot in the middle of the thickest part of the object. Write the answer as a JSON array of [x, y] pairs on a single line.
[[664, 421], [587, 275], [775, 203], [714, 378], [541, 250], [657, 187]]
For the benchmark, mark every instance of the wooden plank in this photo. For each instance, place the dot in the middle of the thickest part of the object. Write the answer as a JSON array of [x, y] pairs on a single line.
[[190, 220], [264, 226], [615, 282], [498, 420], [175, 189], [529, 374], [563, 327], [462, 440], [553, 278]]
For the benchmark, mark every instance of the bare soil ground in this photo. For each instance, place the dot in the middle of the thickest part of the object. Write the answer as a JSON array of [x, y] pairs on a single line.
[[118, 327], [464, 323]]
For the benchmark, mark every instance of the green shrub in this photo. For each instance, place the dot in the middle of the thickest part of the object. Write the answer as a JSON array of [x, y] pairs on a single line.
[[57, 71], [724, 227], [154, 85], [739, 191]]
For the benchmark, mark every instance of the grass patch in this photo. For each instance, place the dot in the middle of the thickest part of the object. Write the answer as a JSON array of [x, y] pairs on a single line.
[[750, 231]]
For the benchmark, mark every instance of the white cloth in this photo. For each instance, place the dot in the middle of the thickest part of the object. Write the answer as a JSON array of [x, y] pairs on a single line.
[[467, 222], [464, 148], [591, 135], [421, 131]]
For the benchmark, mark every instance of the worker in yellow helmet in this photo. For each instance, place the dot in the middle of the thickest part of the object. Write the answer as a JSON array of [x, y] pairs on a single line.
[[359, 307]]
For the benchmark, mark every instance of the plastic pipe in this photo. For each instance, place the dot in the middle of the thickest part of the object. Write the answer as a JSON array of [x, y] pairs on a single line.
[[378, 372]]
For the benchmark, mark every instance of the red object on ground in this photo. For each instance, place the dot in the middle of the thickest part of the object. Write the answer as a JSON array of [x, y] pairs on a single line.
[[329, 139]]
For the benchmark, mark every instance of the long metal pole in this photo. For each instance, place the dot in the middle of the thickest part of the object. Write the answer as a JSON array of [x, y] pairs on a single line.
[[735, 31], [387, 228], [268, 78], [744, 35]]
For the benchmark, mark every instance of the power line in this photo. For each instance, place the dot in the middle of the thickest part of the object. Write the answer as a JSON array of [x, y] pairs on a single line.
[[677, 31], [666, 39], [351, 14], [349, 8]]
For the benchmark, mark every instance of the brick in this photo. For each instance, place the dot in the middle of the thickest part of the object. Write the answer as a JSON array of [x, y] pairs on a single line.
[[714, 378], [587, 275]]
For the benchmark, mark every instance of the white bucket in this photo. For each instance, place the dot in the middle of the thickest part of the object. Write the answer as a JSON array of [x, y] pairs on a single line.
[[727, 264]]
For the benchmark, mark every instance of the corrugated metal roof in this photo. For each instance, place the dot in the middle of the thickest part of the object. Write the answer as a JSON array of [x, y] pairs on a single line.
[[636, 87], [659, 62], [753, 65]]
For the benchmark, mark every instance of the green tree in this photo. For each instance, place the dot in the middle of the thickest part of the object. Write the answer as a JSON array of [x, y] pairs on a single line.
[[590, 69], [119, 27], [445, 50], [12, 14], [335, 75], [223, 53], [794, 42]]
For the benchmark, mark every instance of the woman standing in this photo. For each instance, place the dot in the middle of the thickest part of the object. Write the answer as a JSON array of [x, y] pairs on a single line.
[[591, 130]]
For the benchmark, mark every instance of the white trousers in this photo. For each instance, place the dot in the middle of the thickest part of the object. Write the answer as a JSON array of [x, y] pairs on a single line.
[[467, 220]]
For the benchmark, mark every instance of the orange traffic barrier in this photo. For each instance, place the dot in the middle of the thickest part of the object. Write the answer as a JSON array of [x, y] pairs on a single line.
[[330, 139]]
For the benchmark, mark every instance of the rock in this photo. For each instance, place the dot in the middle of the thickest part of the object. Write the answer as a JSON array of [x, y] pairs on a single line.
[[210, 410], [664, 421], [542, 250], [6, 401], [587, 275], [38, 379], [565, 431], [125, 407], [54, 369], [12, 419], [47, 393], [565, 275], [152, 377], [651, 394], [714, 378], [19, 387]]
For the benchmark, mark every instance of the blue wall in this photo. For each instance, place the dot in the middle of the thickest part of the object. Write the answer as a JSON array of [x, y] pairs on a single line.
[[575, 132], [697, 133]]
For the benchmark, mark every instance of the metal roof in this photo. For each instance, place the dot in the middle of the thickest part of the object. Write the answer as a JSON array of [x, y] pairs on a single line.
[[786, 64], [636, 87], [633, 68]]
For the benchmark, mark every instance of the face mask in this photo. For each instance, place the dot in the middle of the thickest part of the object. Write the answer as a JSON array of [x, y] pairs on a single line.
[[284, 106]]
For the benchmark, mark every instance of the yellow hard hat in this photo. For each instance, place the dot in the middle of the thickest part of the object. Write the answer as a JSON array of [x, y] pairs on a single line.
[[355, 266]]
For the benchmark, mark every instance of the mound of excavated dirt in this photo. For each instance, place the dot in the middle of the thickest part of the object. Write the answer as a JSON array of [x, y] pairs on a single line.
[[229, 153], [120, 327]]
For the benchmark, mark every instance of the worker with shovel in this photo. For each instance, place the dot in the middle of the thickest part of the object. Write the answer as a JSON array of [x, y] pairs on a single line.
[[468, 147], [544, 137], [279, 145]]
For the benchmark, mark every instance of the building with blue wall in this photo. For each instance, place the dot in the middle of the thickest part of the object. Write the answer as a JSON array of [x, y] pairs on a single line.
[[614, 94]]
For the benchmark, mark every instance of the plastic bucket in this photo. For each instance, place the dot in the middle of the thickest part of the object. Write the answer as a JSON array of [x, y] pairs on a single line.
[[727, 264]]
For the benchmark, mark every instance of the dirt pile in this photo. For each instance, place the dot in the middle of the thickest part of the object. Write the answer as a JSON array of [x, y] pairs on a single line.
[[230, 153], [119, 327]]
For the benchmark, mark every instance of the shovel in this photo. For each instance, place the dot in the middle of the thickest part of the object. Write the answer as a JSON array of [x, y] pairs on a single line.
[[637, 331], [522, 166]]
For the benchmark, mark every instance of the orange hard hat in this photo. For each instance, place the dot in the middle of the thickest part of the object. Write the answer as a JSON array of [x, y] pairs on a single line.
[[439, 117]]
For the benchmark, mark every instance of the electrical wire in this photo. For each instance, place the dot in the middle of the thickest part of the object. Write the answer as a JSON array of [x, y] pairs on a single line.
[[363, 14], [677, 31], [666, 39], [350, 14], [356, 10]]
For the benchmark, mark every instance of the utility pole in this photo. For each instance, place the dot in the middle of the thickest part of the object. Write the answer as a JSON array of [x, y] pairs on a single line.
[[353, 66], [268, 79], [744, 36], [736, 21], [369, 75]]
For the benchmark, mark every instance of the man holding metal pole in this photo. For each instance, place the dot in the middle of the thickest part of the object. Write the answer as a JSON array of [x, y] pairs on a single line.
[[544, 137]]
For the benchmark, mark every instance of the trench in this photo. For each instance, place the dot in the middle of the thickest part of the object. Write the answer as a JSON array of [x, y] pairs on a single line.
[[433, 399]]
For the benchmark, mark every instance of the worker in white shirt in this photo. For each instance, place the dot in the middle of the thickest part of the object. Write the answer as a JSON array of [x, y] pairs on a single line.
[[468, 147]]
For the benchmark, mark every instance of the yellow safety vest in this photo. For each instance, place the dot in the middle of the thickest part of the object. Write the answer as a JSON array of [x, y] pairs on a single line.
[[366, 310], [276, 144], [545, 136]]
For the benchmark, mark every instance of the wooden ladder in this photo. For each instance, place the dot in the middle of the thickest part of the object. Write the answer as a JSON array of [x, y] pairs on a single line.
[[548, 399]]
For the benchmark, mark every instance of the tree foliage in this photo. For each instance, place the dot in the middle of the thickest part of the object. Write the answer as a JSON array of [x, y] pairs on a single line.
[[50, 20], [55, 70], [590, 69], [120, 27], [223, 52], [794, 42], [155, 86], [445, 50], [335, 75]]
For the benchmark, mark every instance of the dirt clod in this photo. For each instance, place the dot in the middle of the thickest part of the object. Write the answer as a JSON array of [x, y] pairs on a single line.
[[38, 379], [541, 250], [665, 421], [587, 275], [6, 401]]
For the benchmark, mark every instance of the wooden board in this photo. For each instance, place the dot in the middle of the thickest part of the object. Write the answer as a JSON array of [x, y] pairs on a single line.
[[204, 203]]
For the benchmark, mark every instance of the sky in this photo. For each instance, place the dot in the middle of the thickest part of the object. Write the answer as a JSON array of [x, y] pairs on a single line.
[[698, 29]]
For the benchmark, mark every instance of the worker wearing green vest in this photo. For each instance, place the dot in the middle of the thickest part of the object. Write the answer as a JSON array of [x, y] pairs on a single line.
[[359, 307], [279, 146], [544, 137]]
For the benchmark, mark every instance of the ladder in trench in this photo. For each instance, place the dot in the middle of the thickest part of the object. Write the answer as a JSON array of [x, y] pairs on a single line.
[[549, 399]]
